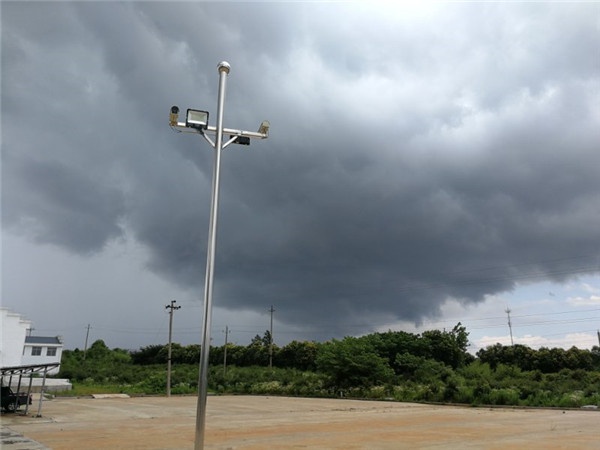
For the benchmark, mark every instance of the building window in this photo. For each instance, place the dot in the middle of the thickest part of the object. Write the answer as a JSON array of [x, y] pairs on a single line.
[[36, 351], [51, 351]]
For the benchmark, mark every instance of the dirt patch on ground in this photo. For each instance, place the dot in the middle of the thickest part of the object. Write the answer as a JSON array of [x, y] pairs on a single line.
[[247, 422]]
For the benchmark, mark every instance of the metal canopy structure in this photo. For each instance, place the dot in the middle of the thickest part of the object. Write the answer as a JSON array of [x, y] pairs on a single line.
[[28, 370]]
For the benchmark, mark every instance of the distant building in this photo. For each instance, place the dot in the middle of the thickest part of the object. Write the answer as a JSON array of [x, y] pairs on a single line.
[[42, 350], [18, 349]]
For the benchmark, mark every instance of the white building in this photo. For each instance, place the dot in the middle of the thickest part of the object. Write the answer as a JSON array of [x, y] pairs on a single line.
[[19, 349], [14, 329], [42, 350]]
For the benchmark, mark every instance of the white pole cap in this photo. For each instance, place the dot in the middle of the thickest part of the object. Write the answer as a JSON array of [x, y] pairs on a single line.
[[224, 66]]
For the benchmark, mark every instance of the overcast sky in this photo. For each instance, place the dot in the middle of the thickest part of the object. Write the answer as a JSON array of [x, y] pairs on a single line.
[[426, 165]]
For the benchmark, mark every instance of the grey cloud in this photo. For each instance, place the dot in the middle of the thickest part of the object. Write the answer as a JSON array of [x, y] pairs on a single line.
[[60, 206], [430, 156]]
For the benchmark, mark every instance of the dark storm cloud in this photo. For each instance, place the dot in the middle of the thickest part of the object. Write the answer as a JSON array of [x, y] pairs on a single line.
[[62, 207], [443, 154]]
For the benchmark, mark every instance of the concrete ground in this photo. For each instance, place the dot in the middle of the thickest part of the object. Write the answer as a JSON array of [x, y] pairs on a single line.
[[248, 422]]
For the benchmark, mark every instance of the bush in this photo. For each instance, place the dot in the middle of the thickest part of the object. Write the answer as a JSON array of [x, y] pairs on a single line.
[[504, 396]]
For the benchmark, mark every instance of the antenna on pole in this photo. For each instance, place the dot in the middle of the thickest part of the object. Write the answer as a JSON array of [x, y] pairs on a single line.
[[507, 311]]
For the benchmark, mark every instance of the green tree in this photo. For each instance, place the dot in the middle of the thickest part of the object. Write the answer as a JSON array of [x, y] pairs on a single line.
[[257, 352], [551, 359], [352, 362], [97, 350], [447, 347], [491, 355], [148, 355], [298, 355], [392, 343], [576, 358]]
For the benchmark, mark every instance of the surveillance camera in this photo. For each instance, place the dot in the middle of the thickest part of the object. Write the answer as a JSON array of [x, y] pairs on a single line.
[[264, 127], [173, 116]]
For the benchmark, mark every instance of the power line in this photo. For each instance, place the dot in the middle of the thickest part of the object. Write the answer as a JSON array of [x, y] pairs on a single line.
[[433, 323]]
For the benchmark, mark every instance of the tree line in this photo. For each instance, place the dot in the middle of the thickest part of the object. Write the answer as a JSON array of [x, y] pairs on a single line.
[[431, 366], [447, 347], [546, 360]]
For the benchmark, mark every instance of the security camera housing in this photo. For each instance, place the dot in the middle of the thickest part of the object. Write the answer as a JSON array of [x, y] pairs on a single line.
[[242, 140], [264, 127]]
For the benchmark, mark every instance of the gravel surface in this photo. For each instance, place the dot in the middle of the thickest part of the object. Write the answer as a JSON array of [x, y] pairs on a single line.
[[251, 422]]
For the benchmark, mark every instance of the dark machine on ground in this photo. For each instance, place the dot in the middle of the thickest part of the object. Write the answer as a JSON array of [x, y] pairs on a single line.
[[11, 401]]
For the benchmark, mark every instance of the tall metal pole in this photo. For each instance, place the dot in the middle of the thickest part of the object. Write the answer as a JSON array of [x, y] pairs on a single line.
[[172, 307], [197, 122], [223, 68]]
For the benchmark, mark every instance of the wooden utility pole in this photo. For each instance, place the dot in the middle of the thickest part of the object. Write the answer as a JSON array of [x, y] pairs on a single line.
[[271, 310], [171, 307], [225, 351], [87, 335]]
